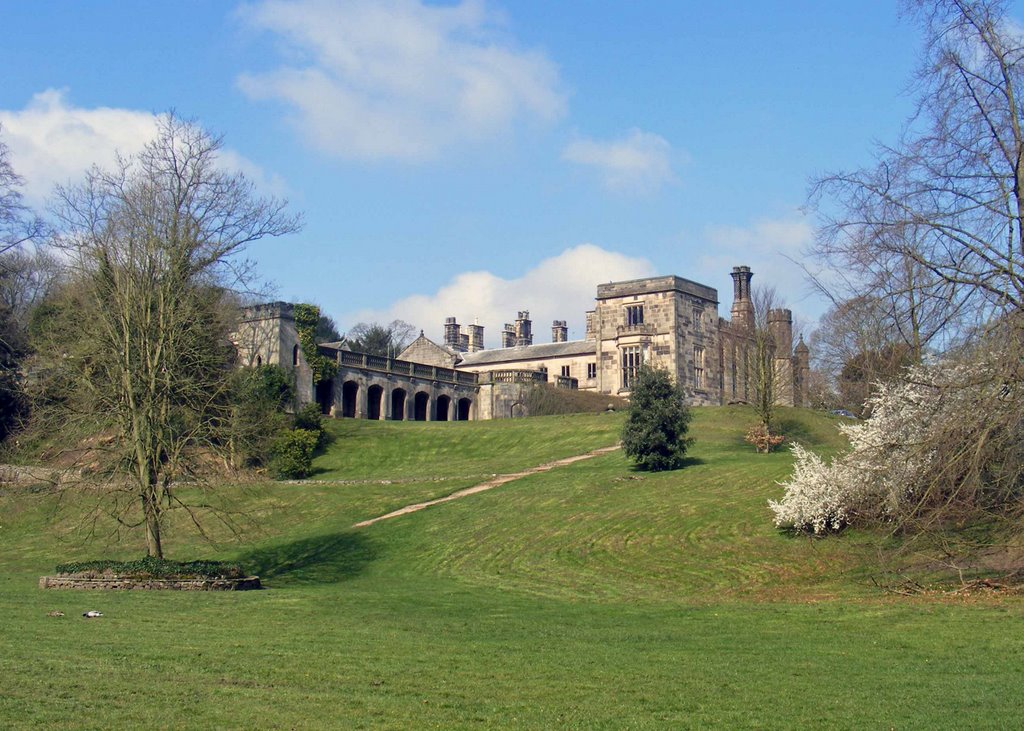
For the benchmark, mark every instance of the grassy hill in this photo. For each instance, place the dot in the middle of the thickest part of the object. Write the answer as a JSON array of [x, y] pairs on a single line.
[[591, 596]]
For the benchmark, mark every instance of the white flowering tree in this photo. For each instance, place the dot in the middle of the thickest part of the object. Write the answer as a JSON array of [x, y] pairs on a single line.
[[943, 444]]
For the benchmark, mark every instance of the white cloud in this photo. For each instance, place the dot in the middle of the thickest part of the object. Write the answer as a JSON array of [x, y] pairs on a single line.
[[372, 79], [769, 247], [53, 142], [561, 287], [638, 163]]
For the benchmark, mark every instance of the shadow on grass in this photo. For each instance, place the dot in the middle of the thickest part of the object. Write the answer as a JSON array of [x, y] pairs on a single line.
[[794, 430], [325, 559], [687, 462]]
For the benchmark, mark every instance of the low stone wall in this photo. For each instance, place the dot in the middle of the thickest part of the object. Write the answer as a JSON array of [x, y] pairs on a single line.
[[67, 582]]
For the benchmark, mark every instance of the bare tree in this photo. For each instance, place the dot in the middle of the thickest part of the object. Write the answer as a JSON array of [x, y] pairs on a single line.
[[765, 377], [153, 246], [377, 339], [947, 202], [18, 224]]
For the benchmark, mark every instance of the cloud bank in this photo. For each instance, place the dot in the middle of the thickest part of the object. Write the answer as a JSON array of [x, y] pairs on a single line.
[[769, 246], [53, 142], [638, 163], [561, 287], [399, 79]]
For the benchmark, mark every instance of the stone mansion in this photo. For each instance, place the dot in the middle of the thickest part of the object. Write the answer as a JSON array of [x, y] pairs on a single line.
[[668, 322]]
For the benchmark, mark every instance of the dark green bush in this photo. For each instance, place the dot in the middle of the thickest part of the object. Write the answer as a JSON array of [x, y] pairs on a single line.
[[154, 568], [546, 400], [292, 453], [309, 418], [654, 435]]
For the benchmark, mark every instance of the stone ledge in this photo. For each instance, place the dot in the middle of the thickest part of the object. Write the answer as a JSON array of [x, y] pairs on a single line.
[[125, 584]]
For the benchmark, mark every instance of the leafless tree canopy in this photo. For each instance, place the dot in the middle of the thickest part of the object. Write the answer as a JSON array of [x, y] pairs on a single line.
[[17, 223], [153, 248], [940, 214]]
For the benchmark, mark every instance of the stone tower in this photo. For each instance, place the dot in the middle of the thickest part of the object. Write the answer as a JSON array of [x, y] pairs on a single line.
[[780, 325]]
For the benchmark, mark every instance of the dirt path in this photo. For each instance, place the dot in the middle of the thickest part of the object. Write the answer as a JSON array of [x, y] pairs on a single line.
[[489, 485]]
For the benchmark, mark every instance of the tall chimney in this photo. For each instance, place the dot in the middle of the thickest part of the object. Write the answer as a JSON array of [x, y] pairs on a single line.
[[742, 305], [591, 325], [559, 331], [476, 337], [524, 329], [452, 336], [508, 336]]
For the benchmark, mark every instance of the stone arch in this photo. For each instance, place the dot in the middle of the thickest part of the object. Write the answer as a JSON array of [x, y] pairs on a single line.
[[443, 406], [374, 402], [349, 398], [462, 410], [325, 395], [295, 355], [518, 410], [398, 397], [421, 406]]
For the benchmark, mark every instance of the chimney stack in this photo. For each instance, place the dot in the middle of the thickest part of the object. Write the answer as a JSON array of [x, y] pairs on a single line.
[[742, 305], [476, 337], [524, 329], [559, 331], [508, 336], [452, 334]]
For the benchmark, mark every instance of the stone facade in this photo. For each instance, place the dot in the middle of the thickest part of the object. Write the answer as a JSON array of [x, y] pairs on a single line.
[[267, 335], [668, 322]]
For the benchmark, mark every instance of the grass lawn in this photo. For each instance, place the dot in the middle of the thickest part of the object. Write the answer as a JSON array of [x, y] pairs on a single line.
[[591, 596]]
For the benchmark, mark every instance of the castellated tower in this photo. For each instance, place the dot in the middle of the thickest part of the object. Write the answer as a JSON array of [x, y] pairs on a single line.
[[742, 304], [476, 337], [559, 331], [780, 325], [524, 329]]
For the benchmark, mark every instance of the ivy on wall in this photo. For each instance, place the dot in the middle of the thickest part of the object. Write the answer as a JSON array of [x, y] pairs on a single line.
[[306, 319]]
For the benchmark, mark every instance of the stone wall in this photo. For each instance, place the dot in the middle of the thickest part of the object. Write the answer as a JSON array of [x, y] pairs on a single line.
[[123, 584]]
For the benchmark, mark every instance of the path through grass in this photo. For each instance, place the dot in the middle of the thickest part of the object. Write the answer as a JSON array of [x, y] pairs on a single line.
[[588, 597]]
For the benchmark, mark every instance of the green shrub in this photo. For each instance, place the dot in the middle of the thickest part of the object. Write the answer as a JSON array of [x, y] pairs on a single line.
[[292, 453], [654, 435], [309, 418], [546, 400], [155, 568]]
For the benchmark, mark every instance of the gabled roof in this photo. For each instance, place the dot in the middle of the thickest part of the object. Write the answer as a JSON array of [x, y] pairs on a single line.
[[528, 352]]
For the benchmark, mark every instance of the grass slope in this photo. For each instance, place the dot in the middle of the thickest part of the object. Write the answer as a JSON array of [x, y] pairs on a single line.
[[588, 597]]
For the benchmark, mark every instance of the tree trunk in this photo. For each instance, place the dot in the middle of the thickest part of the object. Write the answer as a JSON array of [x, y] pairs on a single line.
[[151, 510]]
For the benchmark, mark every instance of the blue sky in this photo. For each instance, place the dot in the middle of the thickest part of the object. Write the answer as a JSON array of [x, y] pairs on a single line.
[[479, 158]]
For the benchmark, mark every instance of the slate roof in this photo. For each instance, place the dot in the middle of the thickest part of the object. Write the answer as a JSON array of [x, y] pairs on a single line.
[[528, 352]]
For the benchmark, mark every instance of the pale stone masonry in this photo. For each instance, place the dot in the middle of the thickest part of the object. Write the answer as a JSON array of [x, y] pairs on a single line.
[[668, 322]]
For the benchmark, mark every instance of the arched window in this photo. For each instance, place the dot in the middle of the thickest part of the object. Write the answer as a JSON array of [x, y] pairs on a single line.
[[259, 360], [295, 355]]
